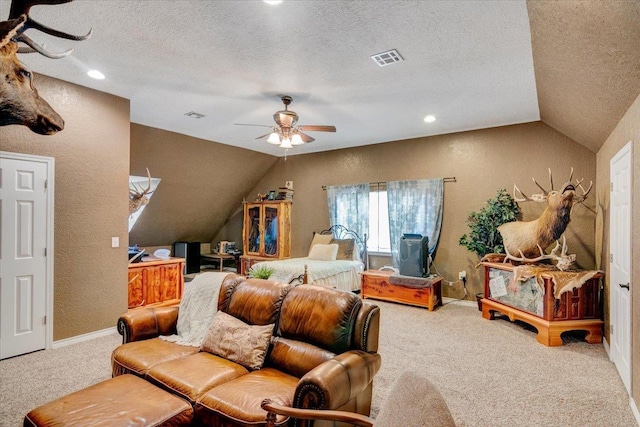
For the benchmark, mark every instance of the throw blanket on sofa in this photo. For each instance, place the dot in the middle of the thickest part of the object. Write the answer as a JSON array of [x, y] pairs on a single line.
[[198, 305]]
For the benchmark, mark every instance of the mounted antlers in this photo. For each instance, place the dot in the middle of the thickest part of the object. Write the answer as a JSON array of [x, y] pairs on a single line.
[[19, 100], [545, 194], [531, 238], [138, 196], [563, 261]]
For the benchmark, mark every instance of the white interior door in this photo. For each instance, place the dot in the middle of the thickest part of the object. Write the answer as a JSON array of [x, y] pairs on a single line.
[[23, 261], [620, 263]]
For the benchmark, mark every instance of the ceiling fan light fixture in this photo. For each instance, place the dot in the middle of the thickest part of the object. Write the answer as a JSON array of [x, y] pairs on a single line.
[[274, 138], [296, 139], [286, 143]]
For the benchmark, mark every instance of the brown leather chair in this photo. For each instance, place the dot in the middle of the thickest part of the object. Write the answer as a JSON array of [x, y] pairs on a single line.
[[413, 402]]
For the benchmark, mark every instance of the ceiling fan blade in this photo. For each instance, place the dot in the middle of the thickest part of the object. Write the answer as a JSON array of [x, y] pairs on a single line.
[[318, 128], [263, 136], [305, 137], [250, 124]]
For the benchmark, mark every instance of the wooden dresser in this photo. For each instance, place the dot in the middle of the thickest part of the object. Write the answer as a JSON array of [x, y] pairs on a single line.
[[156, 282]]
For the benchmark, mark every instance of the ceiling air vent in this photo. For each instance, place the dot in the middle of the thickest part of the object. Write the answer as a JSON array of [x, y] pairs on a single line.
[[386, 58], [194, 115]]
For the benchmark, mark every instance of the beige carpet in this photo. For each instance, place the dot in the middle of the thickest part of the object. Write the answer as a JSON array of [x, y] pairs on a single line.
[[491, 373]]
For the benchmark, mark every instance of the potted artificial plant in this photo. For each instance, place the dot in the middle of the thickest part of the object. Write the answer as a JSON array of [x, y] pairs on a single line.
[[260, 272], [483, 237]]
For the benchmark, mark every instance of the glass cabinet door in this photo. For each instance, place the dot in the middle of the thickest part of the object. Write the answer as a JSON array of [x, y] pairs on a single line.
[[253, 225], [270, 230]]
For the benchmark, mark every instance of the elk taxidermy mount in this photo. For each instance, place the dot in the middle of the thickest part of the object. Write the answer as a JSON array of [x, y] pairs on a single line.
[[529, 239], [138, 197], [20, 103]]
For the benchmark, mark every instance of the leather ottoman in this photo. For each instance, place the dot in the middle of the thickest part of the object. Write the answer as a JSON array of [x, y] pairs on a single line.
[[125, 400]]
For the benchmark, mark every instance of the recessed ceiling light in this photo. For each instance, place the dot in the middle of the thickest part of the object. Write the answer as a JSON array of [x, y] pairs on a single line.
[[430, 119], [95, 74], [272, 2]]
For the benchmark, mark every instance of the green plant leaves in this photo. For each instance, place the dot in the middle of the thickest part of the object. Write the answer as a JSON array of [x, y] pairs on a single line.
[[260, 272], [483, 237]]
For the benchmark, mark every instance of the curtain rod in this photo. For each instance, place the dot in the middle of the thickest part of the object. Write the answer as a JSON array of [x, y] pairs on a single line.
[[447, 179]]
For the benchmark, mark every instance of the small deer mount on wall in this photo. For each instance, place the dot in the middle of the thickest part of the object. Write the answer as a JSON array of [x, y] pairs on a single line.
[[529, 239], [20, 103], [138, 196]]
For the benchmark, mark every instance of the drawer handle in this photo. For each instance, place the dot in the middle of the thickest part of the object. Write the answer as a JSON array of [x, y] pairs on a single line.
[[622, 285]]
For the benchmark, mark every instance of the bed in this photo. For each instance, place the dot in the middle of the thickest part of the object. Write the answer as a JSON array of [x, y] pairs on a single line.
[[325, 266]]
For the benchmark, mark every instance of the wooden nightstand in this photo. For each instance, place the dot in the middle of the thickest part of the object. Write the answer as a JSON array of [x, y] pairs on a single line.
[[375, 284]]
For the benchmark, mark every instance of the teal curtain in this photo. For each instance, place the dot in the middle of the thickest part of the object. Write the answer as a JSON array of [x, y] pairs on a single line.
[[414, 207], [349, 206]]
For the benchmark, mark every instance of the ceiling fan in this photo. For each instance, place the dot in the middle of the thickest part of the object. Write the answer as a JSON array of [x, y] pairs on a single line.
[[287, 133]]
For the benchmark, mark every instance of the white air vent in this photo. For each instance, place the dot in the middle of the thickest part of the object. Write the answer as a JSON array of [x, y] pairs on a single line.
[[194, 115], [387, 58]]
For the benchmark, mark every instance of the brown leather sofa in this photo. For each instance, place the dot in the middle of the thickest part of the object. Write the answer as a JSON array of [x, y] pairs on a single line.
[[322, 355]]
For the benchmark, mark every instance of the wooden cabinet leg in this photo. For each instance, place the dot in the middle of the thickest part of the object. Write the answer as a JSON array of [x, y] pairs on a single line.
[[594, 335], [486, 313]]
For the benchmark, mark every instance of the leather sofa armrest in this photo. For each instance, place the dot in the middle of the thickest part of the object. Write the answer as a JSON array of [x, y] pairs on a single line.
[[367, 329], [144, 323], [335, 382]]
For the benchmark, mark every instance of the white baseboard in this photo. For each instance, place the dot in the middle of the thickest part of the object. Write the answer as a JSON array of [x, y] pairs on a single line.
[[446, 300], [84, 337], [634, 409], [605, 344]]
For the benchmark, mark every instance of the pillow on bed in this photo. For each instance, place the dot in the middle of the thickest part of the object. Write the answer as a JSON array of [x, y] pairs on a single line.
[[237, 341], [345, 248], [320, 239], [356, 252], [322, 252]]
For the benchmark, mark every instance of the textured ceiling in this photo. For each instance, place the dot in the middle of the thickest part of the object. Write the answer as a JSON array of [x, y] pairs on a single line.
[[469, 63]]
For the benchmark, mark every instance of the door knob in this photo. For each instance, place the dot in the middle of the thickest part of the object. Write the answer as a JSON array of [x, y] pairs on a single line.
[[622, 285]]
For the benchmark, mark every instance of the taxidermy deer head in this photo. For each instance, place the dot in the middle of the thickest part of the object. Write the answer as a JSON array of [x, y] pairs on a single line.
[[138, 196], [20, 103], [529, 239]]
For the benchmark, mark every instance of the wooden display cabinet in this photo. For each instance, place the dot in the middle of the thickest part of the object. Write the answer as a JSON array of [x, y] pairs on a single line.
[[266, 232], [575, 310], [156, 282]]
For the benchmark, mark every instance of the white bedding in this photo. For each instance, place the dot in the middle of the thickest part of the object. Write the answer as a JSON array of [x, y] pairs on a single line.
[[339, 274]]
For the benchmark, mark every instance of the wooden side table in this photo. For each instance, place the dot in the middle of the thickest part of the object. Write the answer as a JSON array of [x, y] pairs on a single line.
[[376, 284], [219, 258]]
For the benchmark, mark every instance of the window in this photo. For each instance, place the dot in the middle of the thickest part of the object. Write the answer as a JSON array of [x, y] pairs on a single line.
[[379, 240]]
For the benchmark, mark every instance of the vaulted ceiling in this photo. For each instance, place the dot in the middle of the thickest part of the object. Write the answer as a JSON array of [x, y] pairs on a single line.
[[587, 63], [473, 64]]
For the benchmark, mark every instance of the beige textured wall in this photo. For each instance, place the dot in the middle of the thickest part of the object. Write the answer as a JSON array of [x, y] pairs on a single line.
[[482, 161], [91, 173], [628, 129], [202, 184]]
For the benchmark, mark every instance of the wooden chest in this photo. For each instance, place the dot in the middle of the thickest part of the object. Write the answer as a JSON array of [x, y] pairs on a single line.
[[156, 282], [577, 309], [375, 284]]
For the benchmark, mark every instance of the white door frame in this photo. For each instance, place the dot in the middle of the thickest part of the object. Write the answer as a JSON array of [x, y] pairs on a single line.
[[626, 150], [50, 163]]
